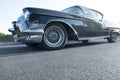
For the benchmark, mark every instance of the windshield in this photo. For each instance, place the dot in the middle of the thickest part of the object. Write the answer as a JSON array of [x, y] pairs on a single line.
[[74, 10]]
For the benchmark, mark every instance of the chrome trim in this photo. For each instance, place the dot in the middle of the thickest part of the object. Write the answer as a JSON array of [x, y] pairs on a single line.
[[116, 31], [15, 37], [34, 38], [30, 39], [56, 20], [24, 28], [33, 32], [21, 25], [93, 38], [11, 30], [32, 35]]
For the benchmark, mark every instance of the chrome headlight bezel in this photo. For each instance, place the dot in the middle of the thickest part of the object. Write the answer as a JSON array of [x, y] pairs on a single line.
[[26, 14]]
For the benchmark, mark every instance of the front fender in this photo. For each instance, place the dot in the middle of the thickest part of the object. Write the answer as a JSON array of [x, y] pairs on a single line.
[[63, 22]]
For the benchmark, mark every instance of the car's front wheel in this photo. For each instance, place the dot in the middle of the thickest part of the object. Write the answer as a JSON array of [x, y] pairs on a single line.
[[55, 37], [112, 38]]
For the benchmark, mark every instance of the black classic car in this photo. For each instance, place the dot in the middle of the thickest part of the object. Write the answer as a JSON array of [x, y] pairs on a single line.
[[52, 29]]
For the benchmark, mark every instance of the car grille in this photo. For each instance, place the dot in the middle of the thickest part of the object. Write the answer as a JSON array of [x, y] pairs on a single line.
[[19, 33]]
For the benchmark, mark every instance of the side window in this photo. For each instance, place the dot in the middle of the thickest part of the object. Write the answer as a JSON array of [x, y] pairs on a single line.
[[87, 13], [93, 14], [96, 15], [99, 16]]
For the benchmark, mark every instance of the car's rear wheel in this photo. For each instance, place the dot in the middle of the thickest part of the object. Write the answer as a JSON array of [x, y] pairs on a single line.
[[55, 37], [112, 38]]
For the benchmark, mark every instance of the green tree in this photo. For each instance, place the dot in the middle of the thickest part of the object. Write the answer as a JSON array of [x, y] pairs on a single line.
[[2, 34]]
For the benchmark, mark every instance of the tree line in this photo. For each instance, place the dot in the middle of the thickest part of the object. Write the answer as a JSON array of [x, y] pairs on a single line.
[[5, 37]]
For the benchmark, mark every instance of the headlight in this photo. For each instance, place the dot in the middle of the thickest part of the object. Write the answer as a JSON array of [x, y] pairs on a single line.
[[26, 14]]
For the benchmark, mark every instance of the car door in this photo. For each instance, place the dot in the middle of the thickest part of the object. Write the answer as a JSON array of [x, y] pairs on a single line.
[[90, 28], [78, 22], [91, 25], [104, 31], [94, 23]]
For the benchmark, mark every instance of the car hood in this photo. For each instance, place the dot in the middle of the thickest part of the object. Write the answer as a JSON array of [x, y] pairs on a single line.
[[50, 12]]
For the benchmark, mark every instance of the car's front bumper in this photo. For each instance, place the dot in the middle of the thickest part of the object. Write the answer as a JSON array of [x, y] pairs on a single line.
[[25, 34], [31, 36]]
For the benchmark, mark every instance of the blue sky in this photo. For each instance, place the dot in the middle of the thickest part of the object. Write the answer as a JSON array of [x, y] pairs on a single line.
[[11, 9]]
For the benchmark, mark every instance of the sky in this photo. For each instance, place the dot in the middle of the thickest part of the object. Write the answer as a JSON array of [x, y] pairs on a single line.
[[12, 9]]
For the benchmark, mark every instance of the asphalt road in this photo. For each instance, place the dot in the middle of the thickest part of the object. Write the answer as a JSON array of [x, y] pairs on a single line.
[[97, 60]]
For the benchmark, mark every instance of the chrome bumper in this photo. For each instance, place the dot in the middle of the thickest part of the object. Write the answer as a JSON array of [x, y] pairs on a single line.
[[30, 36], [30, 39], [25, 34]]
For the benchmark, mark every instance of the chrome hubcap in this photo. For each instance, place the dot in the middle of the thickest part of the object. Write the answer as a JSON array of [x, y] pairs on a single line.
[[54, 36]]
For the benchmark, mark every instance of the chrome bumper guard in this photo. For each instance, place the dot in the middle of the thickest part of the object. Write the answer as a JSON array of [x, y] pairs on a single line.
[[34, 36]]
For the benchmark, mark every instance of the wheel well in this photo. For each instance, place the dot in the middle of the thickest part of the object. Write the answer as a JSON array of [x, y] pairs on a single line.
[[113, 31], [71, 33]]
